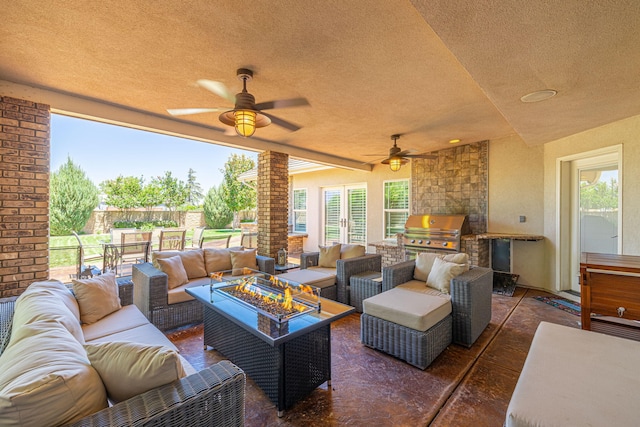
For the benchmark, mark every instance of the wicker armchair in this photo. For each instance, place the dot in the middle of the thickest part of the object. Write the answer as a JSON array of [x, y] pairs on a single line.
[[470, 298], [212, 396], [345, 268]]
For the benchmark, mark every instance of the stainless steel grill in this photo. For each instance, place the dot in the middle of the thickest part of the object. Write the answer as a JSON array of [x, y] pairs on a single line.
[[435, 232]]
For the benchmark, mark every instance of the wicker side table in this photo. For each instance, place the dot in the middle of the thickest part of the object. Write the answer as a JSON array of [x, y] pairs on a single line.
[[363, 286]]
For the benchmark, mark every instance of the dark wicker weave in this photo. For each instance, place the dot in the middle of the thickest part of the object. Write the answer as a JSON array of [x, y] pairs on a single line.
[[287, 372], [6, 320], [363, 286], [416, 347], [150, 296], [345, 268], [470, 298], [214, 396]]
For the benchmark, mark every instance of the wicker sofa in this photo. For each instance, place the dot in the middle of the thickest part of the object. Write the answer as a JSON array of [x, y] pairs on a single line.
[[463, 314], [344, 267], [168, 307], [46, 331]]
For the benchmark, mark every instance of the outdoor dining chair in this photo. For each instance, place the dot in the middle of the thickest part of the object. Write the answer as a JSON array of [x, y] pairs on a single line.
[[172, 240], [198, 238], [84, 269]]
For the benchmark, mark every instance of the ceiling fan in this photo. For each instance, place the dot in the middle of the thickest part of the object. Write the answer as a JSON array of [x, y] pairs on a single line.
[[246, 115], [398, 157]]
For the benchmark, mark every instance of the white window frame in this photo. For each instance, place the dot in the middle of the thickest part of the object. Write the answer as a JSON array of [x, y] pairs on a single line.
[[384, 208], [296, 211]]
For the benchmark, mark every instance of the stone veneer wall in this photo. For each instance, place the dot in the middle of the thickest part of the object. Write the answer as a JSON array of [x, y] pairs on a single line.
[[24, 194], [273, 202], [454, 183]]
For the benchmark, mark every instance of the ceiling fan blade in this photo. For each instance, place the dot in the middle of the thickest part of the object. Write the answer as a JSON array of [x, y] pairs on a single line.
[[218, 88], [421, 156], [283, 123], [186, 111], [282, 103]]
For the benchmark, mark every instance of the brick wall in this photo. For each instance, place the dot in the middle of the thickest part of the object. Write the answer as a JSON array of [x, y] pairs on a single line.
[[24, 194], [273, 202]]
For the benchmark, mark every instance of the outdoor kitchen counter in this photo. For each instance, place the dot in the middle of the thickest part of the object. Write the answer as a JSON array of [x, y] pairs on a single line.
[[512, 236]]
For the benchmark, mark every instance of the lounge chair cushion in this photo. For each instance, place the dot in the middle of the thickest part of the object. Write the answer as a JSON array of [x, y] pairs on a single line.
[[329, 255], [442, 272], [174, 269], [97, 297], [244, 259], [415, 310], [424, 264], [177, 295], [310, 277], [49, 380], [143, 334], [352, 251], [121, 320], [129, 368], [217, 260]]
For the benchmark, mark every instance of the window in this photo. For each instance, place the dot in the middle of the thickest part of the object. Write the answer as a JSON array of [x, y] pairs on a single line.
[[300, 210], [396, 207]]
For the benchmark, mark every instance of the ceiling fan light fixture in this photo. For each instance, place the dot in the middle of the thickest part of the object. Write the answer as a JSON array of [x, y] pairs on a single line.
[[245, 122], [395, 164]]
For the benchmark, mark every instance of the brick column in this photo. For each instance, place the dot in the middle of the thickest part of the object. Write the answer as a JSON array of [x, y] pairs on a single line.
[[273, 202], [24, 194]]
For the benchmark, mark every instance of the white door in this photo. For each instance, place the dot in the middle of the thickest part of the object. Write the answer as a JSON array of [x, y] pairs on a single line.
[[345, 214], [595, 210]]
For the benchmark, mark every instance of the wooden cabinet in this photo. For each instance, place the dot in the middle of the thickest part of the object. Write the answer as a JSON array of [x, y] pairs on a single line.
[[610, 294]]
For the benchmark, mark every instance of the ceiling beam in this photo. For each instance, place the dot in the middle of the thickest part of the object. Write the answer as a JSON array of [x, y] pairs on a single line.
[[92, 109]]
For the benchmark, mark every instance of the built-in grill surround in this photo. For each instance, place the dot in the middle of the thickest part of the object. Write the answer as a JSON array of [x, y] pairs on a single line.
[[434, 232]]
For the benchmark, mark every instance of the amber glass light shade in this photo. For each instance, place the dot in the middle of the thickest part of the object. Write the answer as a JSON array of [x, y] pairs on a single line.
[[395, 164], [245, 122]]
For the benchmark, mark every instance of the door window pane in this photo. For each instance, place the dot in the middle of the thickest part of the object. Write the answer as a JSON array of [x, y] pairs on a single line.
[[300, 210], [396, 207], [357, 199]]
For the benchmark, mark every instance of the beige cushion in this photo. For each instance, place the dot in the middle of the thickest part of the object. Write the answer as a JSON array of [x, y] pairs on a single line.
[[442, 273], [173, 268], [46, 378], [178, 294], [309, 277], [326, 270], [143, 334], [329, 255], [408, 308], [419, 287], [96, 297], [192, 261], [424, 264], [128, 317], [217, 260], [459, 258], [352, 251], [244, 259], [49, 300], [128, 368]]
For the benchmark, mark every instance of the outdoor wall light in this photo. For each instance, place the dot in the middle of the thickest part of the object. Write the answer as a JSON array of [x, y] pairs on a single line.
[[395, 163], [245, 122]]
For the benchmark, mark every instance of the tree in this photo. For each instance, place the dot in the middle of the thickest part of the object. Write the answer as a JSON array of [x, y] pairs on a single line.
[[216, 212], [123, 193], [173, 192], [150, 197], [73, 198], [194, 191], [236, 195]]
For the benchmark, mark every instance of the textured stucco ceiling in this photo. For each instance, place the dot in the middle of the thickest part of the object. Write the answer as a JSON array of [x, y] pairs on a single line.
[[431, 70]]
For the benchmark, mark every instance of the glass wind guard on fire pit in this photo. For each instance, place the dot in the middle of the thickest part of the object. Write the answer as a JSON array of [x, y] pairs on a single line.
[[275, 301]]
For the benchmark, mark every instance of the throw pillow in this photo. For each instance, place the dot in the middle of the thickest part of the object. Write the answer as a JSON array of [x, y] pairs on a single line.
[[459, 258], [329, 255], [192, 261], [173, 268], [97, 297], [424, 264], [244, 259], [128, 368], [46, 378], [217, 260], [441, 274], [352, 251]]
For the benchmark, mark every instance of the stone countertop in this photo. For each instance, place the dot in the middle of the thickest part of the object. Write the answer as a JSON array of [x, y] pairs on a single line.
[[385, 244], [512, 236]]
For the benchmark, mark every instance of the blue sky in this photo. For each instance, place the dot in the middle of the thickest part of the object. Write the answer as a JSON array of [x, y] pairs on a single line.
[[105, 151]]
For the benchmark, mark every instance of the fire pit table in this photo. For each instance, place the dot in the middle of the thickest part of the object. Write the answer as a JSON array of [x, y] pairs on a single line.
[[278, 332]]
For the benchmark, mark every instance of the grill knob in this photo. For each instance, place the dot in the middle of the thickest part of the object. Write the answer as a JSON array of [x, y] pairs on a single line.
[[419, 242], [428, 242], [444, 244], [413, 240]]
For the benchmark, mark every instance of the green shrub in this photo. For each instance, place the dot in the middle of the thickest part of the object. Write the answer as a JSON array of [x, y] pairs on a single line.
[[146, 225], [216, 212]]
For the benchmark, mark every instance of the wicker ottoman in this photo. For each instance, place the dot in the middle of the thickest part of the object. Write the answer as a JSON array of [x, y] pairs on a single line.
[[409, 325], [363, 286], [326, 282]]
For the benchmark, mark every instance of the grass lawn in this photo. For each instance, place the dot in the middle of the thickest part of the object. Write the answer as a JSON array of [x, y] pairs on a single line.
[[63, 249]]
